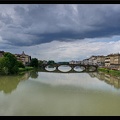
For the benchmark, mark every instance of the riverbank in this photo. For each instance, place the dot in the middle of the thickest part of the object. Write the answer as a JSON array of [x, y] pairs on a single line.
[[23, 70], [111, 72]]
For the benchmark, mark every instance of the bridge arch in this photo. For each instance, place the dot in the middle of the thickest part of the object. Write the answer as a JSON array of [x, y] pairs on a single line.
[[78, 68], [50, 68], [68, 68]]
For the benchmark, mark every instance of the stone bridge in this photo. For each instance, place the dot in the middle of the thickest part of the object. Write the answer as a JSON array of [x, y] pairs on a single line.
[[85, 68]]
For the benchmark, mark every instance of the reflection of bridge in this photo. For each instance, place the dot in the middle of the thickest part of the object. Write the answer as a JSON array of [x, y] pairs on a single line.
[[85, 68]]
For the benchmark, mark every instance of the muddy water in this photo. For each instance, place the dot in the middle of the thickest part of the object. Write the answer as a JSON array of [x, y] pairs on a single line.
[[41, 93]]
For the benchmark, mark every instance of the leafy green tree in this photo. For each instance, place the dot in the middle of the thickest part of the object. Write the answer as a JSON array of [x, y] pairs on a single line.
[[34, 62], [8, 64], [40, 62], [4, 64], [20, 64], [11, 63]]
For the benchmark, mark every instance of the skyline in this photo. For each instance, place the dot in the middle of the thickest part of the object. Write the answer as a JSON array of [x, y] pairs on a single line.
[[60, 32]]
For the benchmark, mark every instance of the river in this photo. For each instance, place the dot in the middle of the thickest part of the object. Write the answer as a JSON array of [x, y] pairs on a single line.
[[60, 94]]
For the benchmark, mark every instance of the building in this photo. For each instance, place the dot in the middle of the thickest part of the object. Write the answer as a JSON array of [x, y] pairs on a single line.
[[113, 61], [101, 60], [74, 62], [107, 61], [92, 60], [85, 61], [25, 59], [1, 53], [95, 60]]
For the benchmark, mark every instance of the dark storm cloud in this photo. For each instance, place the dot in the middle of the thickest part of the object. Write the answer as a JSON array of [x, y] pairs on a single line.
[[26, 25], [5, 19]]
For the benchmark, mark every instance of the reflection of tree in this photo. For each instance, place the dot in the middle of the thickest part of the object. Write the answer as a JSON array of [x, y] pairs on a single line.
[[34, 74], [9, 83]]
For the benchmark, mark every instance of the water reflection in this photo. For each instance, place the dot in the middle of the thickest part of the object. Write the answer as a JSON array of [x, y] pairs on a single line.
[[64, 68], [10, 83], [109, 79], [34, 74], [50, 68], [59, 94], [79, 68], [92, 68]]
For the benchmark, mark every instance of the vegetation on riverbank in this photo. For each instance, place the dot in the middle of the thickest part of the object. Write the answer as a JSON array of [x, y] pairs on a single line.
[[26, 69], [108, 71], [9, 65]]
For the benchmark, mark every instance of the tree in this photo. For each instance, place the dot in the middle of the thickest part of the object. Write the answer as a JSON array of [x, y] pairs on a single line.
[[34, 62], [11, 63], [50, 62], [20, 64], [8, 64], [4, 64], [40, 62]]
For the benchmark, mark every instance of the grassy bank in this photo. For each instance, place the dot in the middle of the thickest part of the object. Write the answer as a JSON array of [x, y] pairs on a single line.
[[108, 71], [22, 70], [25, 69]]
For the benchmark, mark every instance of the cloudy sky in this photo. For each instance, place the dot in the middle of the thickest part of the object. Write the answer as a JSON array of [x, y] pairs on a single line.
[[60, 32]]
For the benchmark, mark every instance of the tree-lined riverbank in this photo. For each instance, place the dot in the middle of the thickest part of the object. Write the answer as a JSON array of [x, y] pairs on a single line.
[[10, 65]]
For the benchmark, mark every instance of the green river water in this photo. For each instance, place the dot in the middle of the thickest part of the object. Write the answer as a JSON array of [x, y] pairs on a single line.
[[59, 94]]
